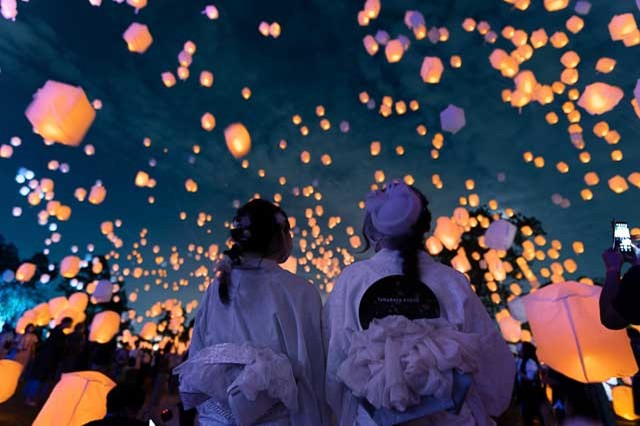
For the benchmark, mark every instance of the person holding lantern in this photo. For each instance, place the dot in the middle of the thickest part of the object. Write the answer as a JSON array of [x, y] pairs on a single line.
[[256, 354], [406, 336]]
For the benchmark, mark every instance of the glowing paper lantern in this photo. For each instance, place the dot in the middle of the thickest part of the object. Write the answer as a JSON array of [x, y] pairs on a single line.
[[500, 234], [448, 232], [238, 140], [599, 98], [555, 5], [70, 266], [98, 194], [60, 113], [78, 398], [10, 372], [57, 305], [414, 20], [618, 184], [137, 4], [208, 121], [431, 70], [206, 79], [9, 9], [622, 26], [290, 265], [25, 272], [103, 291], [168, 79], [565, 322], [622, 402], [79, 301], [434, 246], [138, 38], [42, 315], [510, 327], [605, 65], [452, 119], [394, 51], [104, 327], [148, 331]]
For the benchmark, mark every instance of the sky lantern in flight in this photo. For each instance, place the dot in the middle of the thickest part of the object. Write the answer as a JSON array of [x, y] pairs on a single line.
[[61, 113], [452, 119], [138, 37], [431, 70], [98, 194], [555, 5], [370, 44], [148, 331], [414, 20], [10, 372], [394, 50], [500, 235], [238, 140], [211, 11], [78, 398], [9, 9], [208, 121], [137, 4], [70, 266], [104, 327], [565, 323], [206, 79], [618, 184], [622, 26], [79, 301], [191, 185], [448, 232], [599, 98], [57, 305], [168, 79], [25, 272]]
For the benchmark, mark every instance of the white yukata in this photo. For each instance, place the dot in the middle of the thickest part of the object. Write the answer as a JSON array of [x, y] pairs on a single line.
[[490, 392], [269, 308]]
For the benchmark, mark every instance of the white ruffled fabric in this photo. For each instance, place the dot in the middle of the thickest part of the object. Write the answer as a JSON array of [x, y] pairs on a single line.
[[210, 372], [397, 361]]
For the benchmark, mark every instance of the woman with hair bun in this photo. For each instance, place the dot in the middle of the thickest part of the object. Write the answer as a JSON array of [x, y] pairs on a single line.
[[408, 341], [256, 355]]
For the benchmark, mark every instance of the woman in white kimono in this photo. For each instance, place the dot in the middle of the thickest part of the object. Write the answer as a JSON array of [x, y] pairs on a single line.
[[260, 316], [395, 223]]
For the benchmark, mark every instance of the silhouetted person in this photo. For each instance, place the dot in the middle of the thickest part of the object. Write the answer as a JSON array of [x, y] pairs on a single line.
[[529, 386], [123, 404]]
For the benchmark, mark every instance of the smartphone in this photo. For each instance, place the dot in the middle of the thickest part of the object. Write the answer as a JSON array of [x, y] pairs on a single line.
[[622, 237]]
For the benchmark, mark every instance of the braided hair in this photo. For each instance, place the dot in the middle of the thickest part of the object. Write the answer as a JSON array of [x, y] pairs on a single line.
[[258, 227]]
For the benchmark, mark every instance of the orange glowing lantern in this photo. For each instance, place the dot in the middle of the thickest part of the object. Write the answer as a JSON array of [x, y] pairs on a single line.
[[138, 38], [622, 26], [394, 51], [622, 403], [448, 232], [104, 327], [208, 121], [98, 194], [206, 79], [25, 272], [70, 266], [565, 322], [599, 98], [555, 5], [431, 70], [618, 184], [238, 140], [78, 398], [61, 113], [148, 331], [79, 301], [10, 372]]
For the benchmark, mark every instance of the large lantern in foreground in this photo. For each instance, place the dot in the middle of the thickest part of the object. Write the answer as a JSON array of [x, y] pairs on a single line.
[[61, 113], [565, 322], [10, 372], [77, 399]]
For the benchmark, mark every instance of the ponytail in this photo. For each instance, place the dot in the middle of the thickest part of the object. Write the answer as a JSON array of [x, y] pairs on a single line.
[[224, 273]]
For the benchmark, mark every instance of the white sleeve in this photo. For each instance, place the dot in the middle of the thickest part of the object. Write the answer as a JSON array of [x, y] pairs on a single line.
[[342, 403], [198, 341], [495, 379]]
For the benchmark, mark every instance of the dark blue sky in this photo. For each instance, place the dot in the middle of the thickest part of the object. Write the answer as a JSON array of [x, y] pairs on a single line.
[[318, 60]]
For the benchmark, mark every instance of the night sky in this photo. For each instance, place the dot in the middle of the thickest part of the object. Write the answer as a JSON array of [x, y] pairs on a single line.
[[319, 59]]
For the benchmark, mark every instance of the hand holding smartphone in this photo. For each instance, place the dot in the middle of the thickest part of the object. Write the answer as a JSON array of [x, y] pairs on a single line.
[[622, 237]]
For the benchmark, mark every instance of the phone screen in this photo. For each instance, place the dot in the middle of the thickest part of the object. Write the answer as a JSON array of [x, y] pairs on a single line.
[[622, 236]]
